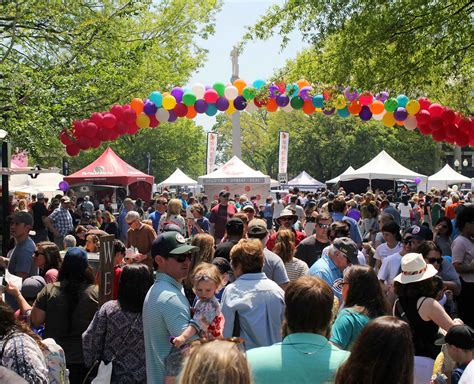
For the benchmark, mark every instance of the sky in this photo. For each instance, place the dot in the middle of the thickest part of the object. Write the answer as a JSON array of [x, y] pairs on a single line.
[[259, 58]]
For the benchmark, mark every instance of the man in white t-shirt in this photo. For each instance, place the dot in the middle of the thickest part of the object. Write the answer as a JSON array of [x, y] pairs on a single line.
[[391, 235]]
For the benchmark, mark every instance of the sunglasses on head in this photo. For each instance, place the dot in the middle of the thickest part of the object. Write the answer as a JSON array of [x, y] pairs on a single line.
[[183, 257]]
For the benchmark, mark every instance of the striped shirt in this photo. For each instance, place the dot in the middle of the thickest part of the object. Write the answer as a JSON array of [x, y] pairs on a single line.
[[296, 268], [166, 313]]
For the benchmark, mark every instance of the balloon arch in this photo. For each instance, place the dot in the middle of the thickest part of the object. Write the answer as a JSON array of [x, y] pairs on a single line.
[[442, 123]]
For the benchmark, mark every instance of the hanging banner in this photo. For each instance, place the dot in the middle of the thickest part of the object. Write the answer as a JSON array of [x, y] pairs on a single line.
[[283, 155], [211, 151]]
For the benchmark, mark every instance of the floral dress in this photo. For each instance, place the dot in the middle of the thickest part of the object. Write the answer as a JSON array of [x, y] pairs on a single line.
[[208, 318]]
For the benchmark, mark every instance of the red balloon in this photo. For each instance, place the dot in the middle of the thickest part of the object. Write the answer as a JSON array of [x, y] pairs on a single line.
[[448, 116], [462, 139], [65, 139], [423, 117], [84, 142], [95, 142], [90, 130], [78, 128], [211, 96], [117, 111], [109, 121], [450, 140], [132, 129], [435, 110], [153, 121], [439, 135], [451, 130], [259, 103], [97, 119], [424, 103], [129, 115], [436, 123], [424, 129], [103, 134], [181, 110], [121, 127], [113, 135], [72, 149], [465, 125]]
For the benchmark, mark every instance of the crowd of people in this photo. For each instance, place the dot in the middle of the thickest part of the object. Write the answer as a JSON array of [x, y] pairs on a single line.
[[308, 287]]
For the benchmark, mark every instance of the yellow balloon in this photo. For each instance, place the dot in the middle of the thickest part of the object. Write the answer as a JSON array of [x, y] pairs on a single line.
[[169, 102], [340, 102], [319, 110], [388, 119], [231, 109], [143, 121], [412, 107]]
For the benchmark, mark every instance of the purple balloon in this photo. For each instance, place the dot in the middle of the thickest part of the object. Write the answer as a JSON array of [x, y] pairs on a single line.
[[304, 93], [282, 100], [240, 103], [417, 180], [351, 94], [274, 91], [329, 112], [63, 186], [382, 96], [178, 93], [172, 117], [400, 114], [222, 104], [365, 113], [149, 108], [200, 106]]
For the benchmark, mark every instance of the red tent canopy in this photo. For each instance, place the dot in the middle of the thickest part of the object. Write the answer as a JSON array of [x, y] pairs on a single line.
[[109, 169]]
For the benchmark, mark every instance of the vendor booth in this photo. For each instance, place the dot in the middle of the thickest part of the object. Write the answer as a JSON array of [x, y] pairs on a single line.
[[179, 179], [379, 173], [305, 182], [103, 177], [336, 180], [238, 178], [446, 177]]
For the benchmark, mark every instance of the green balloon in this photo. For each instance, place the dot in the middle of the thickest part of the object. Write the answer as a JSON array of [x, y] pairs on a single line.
[[297, 102], [189, 98], [219, 87], [249, 93], [391, 105]]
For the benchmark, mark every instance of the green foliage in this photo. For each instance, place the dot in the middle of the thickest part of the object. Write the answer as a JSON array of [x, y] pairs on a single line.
[[61, 61]]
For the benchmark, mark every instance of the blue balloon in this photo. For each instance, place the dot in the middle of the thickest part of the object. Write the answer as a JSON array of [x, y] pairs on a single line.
[[318, 101], [402, 100], [344, 112], [157, 98], [292, 89], [211, 110], [259, 83]]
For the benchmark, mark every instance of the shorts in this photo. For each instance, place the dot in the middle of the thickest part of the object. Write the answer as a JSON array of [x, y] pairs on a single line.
[[174, 361]]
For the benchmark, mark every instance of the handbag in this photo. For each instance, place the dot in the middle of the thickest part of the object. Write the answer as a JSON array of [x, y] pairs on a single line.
[[104, 371]]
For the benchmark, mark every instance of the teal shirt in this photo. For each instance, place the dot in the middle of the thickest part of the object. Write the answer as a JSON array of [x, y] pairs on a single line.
[[349, 323], [299, 358]]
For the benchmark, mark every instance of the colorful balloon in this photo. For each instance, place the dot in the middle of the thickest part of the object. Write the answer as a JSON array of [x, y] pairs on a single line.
[[211, 110], [198, 89], [410, 122], [149, 108], [366, 98], [413, 107], [137, 105], [249, 93], [400, 114], [240, 85], [219, 88], [177, 93], [156, 98], [240, 103], [189, 98], [318, 101], [391, 105], [222, 104], [435, 110], [296, 102], [143, 121], [162, 115], [344, 112], [388, 119], [259, 83], [365, 114], [282, 100], [169, 102], [377, 107], [402, 101]]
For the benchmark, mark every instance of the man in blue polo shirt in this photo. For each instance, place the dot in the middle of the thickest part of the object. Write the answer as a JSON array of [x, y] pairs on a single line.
[[166, 310], [340, 254], [339, 207]]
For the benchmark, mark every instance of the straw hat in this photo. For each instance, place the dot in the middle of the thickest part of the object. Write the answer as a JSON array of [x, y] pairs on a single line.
[[287, 213], [414, 269]]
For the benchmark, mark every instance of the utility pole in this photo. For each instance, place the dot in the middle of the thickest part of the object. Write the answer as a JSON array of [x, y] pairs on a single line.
[[236, 131]]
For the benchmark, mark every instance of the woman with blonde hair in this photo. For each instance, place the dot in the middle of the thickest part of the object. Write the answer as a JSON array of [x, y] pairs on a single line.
[[285, 248], [216, 362], [109, 224], [173, 216]]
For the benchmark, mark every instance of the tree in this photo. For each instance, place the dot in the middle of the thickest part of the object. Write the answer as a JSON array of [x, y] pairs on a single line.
[[59, 63]]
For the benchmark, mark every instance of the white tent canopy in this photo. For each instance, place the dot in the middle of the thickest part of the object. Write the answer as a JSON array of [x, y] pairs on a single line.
[[350, 169], [305, 181], [44, 182], [445, 177], [384, 167], [178, 178]]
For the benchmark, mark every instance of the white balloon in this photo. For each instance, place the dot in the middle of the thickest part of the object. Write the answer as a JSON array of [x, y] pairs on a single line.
[[378, 117], [198, 90], [162, 115], [287, 108], [251, 107], [410, 122], [231, 92]]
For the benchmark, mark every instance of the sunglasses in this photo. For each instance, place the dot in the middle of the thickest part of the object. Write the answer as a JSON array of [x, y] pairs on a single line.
[[286, 219], [325, 226], [37, 253], [433, 260], [407, 241], [183, 257]]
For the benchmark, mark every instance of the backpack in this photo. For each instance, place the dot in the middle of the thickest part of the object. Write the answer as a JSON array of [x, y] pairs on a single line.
[[56, 362]]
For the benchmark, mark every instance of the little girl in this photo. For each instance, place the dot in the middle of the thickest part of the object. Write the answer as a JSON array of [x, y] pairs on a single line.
[[207, 321]]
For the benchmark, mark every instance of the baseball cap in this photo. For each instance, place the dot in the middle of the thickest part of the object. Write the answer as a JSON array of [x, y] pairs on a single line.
[[32, 286], [40, 196], [420, 232], [257, 227], [65, 199], [170, 243], [348, 247], [21, 217], [224, 193], [461, 336], [248, 205]]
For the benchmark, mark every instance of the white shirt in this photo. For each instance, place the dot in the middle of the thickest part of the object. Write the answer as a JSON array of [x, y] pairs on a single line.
[[383, 250], [390, 268], [404, 210]]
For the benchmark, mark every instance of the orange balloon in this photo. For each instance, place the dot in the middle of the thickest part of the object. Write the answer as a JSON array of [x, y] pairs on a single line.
[[240, 85], [376, 107], [191, 112], [302, 83], [401, 123], [308, 107], [137, 105], [272, 105], [354, 107]]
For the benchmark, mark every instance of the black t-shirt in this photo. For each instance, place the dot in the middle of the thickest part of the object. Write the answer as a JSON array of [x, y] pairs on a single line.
[[309, 250], [223, 249], [39, 210]]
